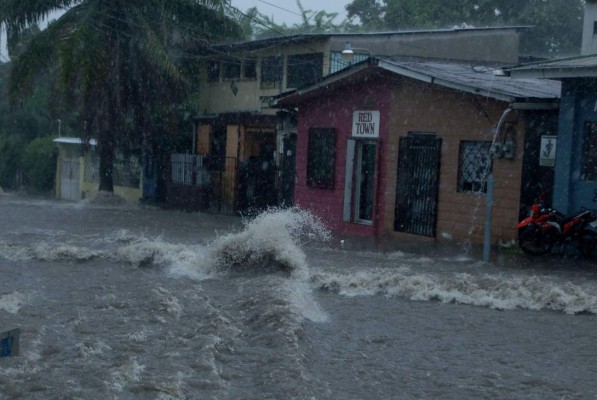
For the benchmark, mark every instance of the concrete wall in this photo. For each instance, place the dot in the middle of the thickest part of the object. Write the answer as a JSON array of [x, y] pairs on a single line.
[[492, 45], [589, 38], [487, 45], [218, 97], [89, 189]]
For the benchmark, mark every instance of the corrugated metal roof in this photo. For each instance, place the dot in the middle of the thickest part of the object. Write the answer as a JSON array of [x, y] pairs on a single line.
[[476, 79], [482, 80], [572, 67]]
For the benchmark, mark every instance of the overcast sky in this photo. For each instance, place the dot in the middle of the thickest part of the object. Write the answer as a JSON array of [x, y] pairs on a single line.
[[283, 11], [287, 11]]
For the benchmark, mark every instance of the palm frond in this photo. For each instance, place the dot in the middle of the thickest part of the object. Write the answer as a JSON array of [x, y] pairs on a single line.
[[18, 15]]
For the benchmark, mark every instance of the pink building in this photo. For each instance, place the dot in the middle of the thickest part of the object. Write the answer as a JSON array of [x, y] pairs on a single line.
[[394, 149]]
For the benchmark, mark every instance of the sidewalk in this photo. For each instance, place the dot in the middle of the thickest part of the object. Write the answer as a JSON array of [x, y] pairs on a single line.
[[510, 257]]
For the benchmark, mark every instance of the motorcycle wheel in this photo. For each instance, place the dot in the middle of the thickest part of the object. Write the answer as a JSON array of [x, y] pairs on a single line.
[[587, 244], [531, 241]]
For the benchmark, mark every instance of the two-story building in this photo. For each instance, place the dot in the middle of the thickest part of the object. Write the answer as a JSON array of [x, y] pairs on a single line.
[[244, 149]]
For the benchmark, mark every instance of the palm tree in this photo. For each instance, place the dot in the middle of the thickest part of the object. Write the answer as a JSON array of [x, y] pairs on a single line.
[[115, 60]]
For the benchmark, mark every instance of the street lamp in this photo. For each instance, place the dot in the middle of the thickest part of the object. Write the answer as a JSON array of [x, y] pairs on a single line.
[[348, 52]]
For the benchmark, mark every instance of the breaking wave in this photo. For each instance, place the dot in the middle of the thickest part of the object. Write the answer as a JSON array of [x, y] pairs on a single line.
[[273, 239], [138, 251], [494, 291]]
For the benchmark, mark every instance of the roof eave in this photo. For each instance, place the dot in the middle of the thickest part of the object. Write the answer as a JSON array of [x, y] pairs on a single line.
[[442, 82], [553, 73]]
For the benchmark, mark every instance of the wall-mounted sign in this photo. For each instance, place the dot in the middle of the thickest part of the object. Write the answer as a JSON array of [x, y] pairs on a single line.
[[365, 124], [547, 156]]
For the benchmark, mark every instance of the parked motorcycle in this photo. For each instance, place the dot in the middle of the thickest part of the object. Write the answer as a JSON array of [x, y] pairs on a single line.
[[546, 227]]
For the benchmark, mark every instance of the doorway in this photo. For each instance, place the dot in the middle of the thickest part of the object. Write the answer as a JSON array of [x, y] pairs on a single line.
[[417, 184], [359, 195]]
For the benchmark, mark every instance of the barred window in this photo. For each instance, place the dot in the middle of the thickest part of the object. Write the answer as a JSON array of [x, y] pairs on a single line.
[[271, 72], [231, 70], [250, 69], [473, 166], [337, 62], [321, 158], [589, 153], [213, 71], [304, 69]]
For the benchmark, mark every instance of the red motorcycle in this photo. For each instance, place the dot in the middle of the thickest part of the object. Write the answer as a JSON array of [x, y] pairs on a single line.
[[546, 227]]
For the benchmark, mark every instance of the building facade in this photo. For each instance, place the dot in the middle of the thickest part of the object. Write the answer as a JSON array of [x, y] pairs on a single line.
[[398, 150], [575, 163], [249, 146]]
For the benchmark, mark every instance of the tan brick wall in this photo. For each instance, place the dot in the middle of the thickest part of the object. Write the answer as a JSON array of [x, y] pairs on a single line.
[[455, 116]]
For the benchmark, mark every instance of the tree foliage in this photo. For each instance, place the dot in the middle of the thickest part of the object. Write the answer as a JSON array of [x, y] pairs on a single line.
[[39, 163], [114, 60], [22, 123], [556, 24], [259, 26]]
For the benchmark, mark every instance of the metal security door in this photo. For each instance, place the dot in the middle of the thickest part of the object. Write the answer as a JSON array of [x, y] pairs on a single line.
[[69, 180], [417, 184]]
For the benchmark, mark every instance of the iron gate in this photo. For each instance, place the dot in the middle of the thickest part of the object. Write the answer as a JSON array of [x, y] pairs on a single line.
[[224, 175], [417, 184]]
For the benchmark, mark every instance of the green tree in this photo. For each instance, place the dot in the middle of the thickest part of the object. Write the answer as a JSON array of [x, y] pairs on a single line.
[[39, 163], [370, 13], [21, 123], [114, 60], [556, 24], [259, 26]]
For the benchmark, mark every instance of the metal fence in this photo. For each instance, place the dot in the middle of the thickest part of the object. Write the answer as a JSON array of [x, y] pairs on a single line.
[[189, 169], [224, 185], [218, 174], [126, 172]]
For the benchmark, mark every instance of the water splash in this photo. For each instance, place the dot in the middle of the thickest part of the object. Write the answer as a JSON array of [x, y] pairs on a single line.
[[273, 239]]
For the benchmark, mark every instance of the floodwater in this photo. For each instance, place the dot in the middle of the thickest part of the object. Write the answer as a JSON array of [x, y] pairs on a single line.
[[118, 302]]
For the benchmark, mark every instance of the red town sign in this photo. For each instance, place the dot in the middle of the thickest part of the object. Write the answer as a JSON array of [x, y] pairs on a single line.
[[365, 124]]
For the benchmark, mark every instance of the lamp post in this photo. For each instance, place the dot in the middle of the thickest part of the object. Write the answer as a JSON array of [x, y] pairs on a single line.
[[348, 52]]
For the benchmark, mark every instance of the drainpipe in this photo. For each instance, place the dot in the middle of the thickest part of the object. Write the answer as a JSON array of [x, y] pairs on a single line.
[[488, 209], [490, 189]]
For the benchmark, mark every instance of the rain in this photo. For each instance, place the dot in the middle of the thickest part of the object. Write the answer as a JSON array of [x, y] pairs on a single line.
[[385, 199]]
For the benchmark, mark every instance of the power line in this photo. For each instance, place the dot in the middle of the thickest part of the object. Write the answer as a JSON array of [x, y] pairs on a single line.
[[281, 8]]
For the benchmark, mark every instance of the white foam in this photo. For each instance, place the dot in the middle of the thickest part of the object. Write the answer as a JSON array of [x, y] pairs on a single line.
[[164, 301], [129, 372], [494, 291], [12, 302], [92, 348], [52, 252], [139, 336]]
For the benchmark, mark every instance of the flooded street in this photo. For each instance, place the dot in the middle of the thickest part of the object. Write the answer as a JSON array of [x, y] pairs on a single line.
[[143, 303]]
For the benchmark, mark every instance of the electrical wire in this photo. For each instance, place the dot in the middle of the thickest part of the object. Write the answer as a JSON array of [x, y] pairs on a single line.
[[281, 8]]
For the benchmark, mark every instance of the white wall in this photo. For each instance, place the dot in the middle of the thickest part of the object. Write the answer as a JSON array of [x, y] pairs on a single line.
[[589, 37]]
